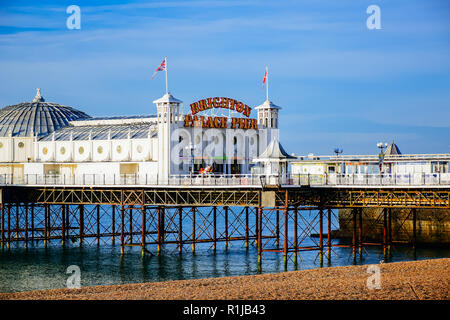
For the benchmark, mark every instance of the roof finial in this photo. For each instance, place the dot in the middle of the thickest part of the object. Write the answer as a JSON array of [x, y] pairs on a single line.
[[38, 97]]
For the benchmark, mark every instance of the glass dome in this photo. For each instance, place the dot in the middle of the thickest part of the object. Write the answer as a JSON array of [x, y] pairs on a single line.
[[36, 118]]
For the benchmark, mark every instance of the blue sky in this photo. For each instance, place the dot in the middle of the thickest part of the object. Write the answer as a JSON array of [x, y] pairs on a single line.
[[339, 83]]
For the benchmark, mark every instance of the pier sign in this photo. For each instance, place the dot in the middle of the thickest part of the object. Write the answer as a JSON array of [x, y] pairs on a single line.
[[245, 123]]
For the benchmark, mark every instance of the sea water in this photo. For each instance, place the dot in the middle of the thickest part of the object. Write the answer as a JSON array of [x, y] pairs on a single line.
[[37, 267]]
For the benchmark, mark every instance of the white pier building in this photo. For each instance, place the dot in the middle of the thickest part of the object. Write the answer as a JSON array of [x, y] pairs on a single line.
[[39, 139]]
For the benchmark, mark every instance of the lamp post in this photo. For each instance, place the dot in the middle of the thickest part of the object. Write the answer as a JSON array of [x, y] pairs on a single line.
[[338, 151], [191, 148], [381, 146]]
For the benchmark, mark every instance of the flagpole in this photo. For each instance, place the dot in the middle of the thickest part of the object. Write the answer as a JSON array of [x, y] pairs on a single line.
[[167, 87], [267, 87]]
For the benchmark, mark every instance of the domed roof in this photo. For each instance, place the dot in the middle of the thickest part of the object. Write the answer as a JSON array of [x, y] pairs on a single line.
[[36, 118]]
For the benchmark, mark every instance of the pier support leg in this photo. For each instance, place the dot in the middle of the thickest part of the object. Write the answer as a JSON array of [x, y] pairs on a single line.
[[226, 227], [63, 224], [257, 226], [385, 241], [277, 227], [130, 232], [180, 229], [354, 233], [286, 219], [214, 228], [2, 225], [389, 230], [81, 224], [259, 236], [68, 221], [113, 222], [26, 225], [193, 229], [32, 222], [295, 235], [144, 221], [17, 221], [321, 235], [122, 228], [161, 227], [360, 231], [46, 214], [98, 224], [246, 228], [285, 240], [9, 225], [414, 238], [329, 234]]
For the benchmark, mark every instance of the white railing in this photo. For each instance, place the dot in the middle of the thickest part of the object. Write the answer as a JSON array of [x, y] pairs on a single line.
[[375, 157], [131, 179], [417, 179], [413, 179]]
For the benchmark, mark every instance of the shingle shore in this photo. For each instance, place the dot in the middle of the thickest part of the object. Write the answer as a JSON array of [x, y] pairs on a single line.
[[412, 280]]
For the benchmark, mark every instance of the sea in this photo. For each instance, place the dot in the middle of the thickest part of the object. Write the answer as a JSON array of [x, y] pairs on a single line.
[[37, 267]]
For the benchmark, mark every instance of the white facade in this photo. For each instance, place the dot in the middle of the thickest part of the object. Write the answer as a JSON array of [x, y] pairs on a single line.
[[155, 147]]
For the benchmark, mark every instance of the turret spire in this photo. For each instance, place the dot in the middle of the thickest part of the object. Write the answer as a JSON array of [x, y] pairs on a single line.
[[38, 97]]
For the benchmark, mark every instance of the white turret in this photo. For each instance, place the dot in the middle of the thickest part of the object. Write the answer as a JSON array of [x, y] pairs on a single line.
[[268, 115], [267, 122], [168, 109]]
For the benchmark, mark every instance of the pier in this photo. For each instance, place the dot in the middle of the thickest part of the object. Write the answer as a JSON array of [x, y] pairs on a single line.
[[255, 210]]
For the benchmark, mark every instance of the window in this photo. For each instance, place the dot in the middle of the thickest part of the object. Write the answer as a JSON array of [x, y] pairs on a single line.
[[119, 149], [139, 149], [62, 150]]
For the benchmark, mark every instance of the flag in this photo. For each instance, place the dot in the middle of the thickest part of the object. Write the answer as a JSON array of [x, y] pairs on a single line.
[[265, 78], [162, 67]]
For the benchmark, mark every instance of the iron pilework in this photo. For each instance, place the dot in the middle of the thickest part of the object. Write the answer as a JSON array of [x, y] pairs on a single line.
[[272, 219]]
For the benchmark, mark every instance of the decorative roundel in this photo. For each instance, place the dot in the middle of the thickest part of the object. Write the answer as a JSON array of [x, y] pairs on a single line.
[[21, 145], [1, 145], [139, 149], [216, 140], [100, 150], [62, 150], [80, 150], [197, 139], [45, 150], [119, 149]]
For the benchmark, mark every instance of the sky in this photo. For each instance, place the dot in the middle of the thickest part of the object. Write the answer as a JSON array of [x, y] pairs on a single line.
[[339, 83]]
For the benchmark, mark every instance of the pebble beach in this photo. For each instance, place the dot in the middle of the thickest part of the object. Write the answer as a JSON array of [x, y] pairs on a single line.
[[412, 280]]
